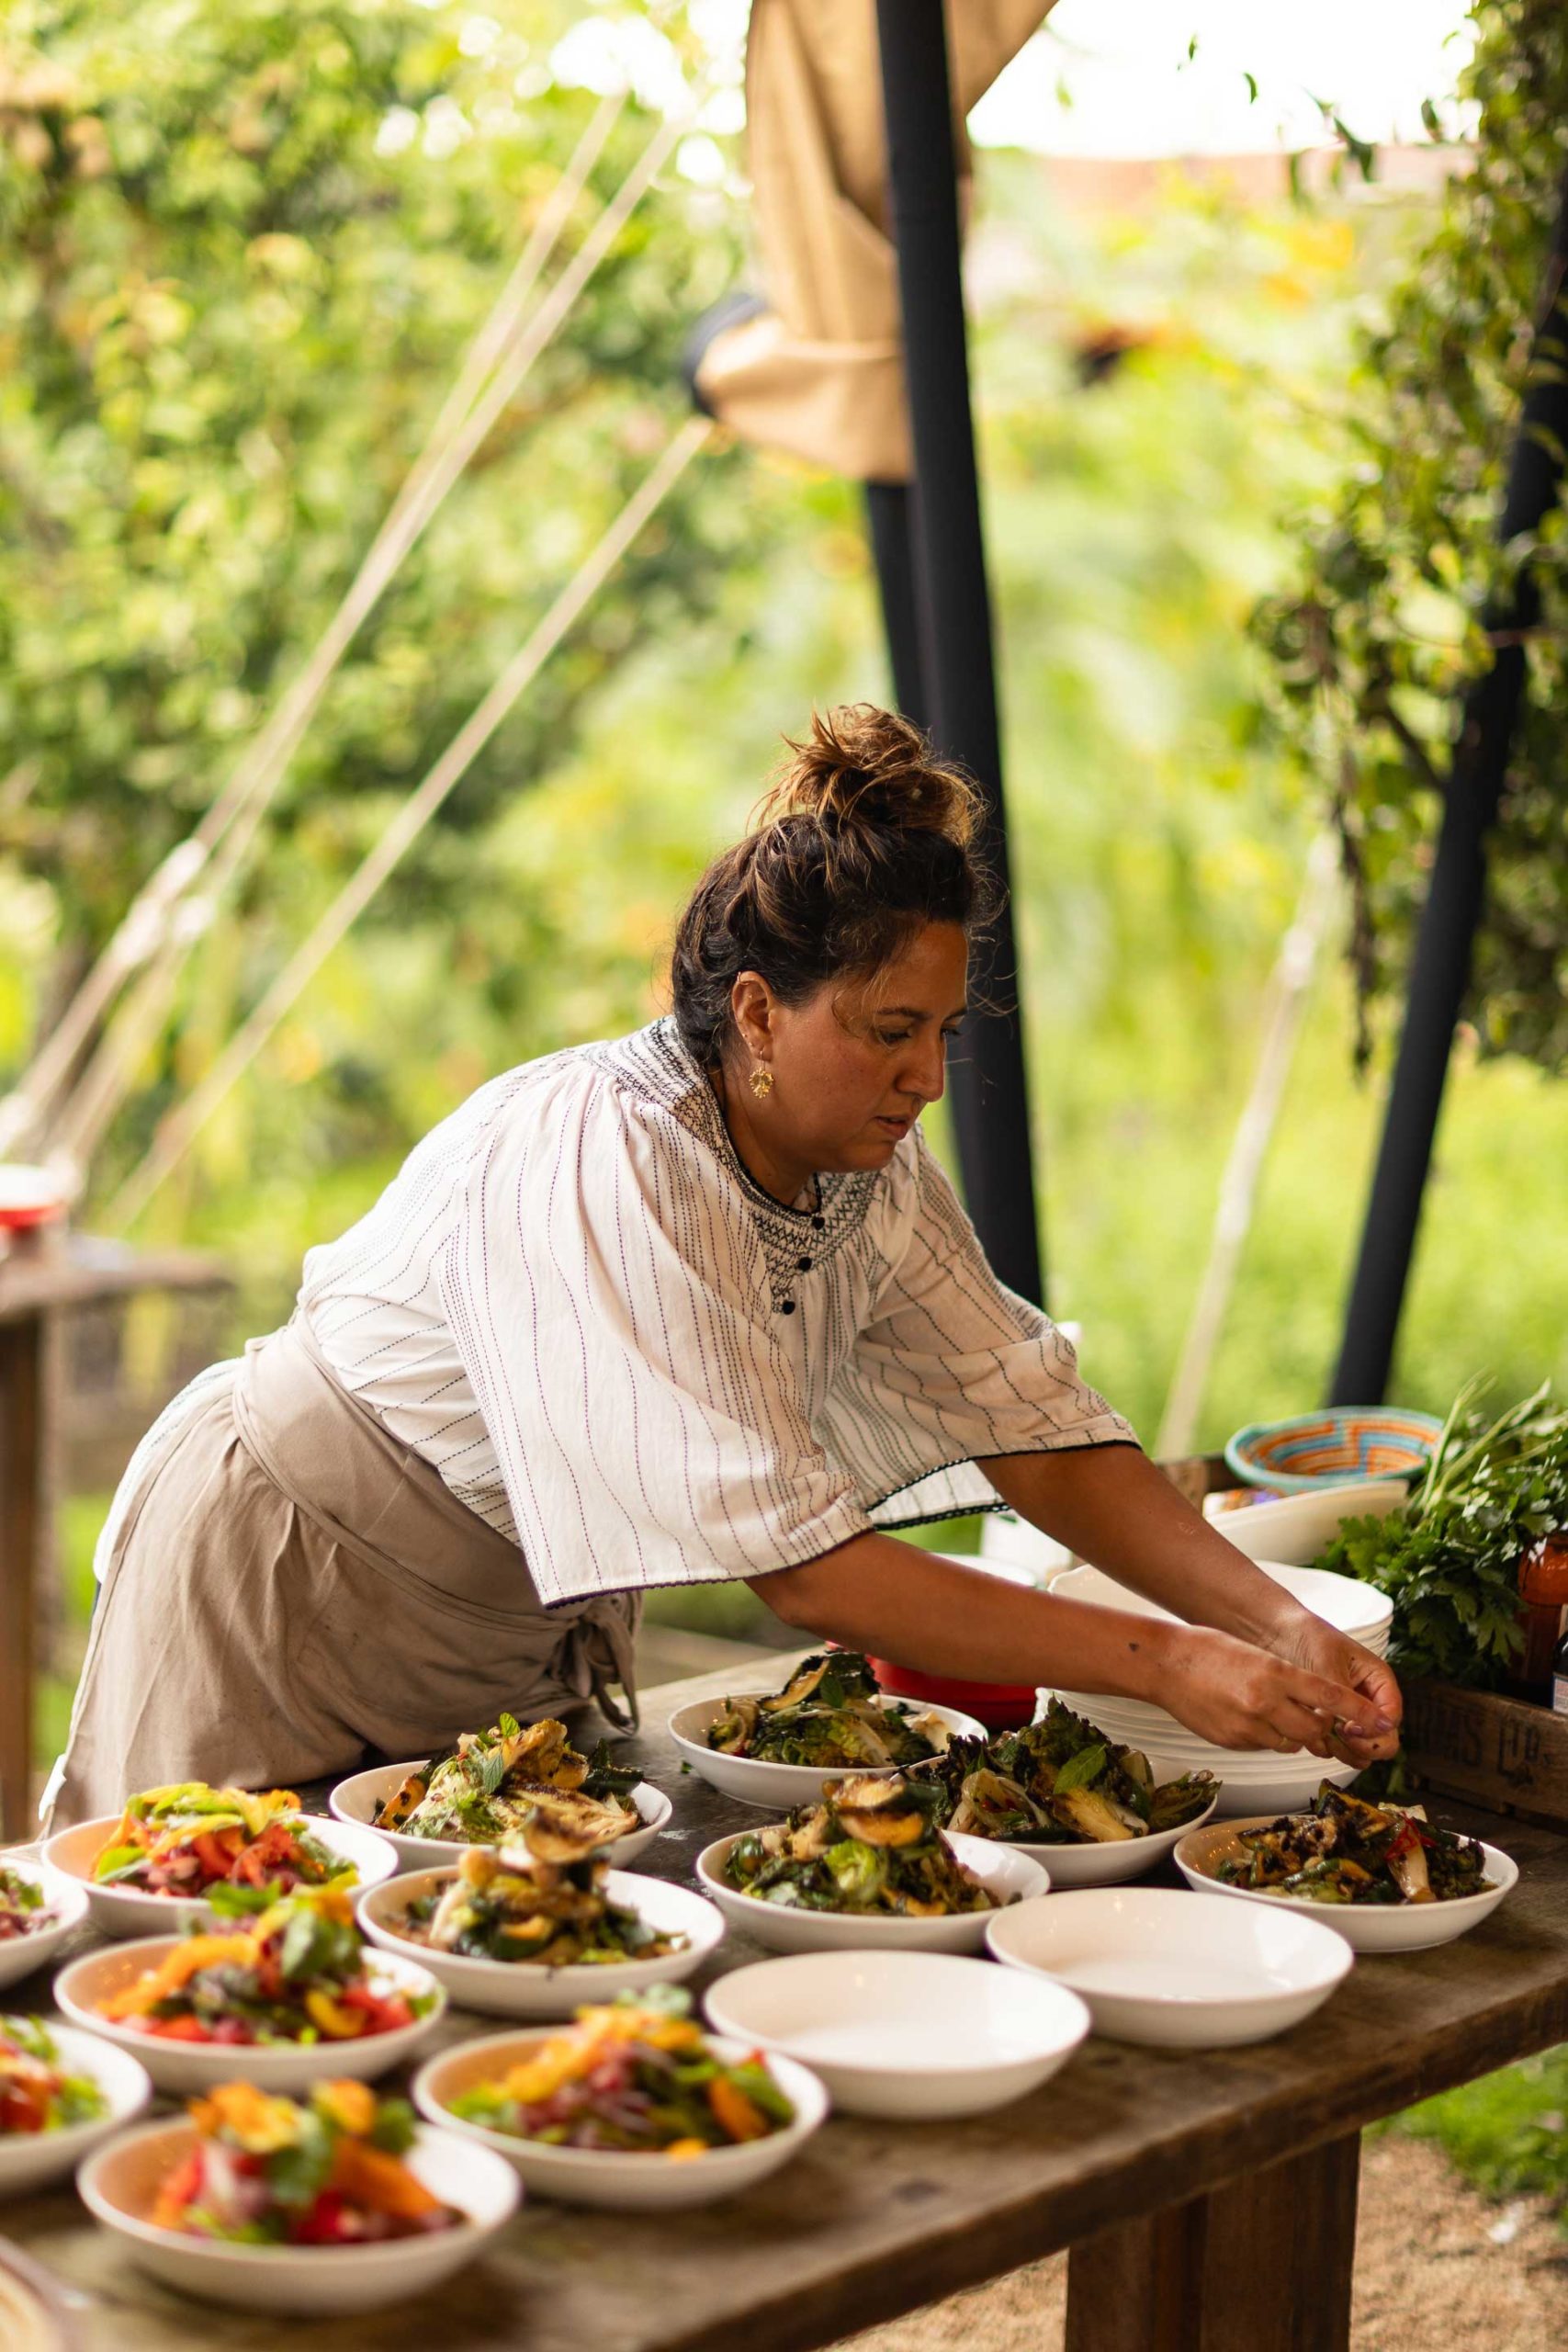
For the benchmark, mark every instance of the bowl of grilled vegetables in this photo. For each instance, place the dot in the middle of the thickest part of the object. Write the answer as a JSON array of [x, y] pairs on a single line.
[[775, 1748], [1064, 1793], [1387, 1878], [869, 1866], [531, 1929], [483, 1791]]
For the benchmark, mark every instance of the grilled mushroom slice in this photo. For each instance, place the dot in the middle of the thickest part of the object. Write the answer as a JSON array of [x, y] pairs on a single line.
[[1091, 1816], [730, 1732], [405, 1799], [800, 1686], [882, 1812]]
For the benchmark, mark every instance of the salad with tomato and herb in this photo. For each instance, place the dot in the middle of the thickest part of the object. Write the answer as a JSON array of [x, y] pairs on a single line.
[[186, 1839], [24, 1906], [298, 1972], [635, 2075], [35, 2093], [267, 2171]]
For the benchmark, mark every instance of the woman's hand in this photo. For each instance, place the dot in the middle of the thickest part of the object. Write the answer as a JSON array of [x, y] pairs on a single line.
[[1239, 1695], [1308, 1642]]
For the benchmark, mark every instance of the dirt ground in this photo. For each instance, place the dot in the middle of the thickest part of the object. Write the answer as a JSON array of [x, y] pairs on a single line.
[[1435, 2264]]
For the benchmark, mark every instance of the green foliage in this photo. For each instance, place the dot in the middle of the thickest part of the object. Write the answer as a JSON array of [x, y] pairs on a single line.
[[1509, 2133], [1385, 627], [248, 242], [1449, 1558]]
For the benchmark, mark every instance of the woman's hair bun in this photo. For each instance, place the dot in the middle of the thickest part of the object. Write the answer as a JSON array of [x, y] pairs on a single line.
[[862, 769], [866, 836]]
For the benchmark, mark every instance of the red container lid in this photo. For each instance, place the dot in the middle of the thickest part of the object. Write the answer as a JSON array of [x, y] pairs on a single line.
[[1000, 1706]]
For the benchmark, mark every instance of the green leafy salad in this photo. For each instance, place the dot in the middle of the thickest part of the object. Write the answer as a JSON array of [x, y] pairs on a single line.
[[1059, 1782], [488, 1787], [874, 1845], [830, 1715], [35, 2092]]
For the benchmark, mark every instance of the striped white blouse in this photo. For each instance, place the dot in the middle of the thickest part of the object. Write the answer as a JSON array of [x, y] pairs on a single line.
[[574, 1303]]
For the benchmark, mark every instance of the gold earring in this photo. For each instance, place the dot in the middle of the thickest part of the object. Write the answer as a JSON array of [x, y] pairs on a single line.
[[762, 1081]]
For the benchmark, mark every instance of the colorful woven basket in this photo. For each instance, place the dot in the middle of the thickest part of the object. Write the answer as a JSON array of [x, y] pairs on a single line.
[[1326, 1449]]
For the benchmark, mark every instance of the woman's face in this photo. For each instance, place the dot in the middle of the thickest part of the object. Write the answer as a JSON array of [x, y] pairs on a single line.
[[856, 1065]]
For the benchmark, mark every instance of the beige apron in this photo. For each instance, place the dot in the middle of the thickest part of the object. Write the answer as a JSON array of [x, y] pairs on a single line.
[[290, 1585]]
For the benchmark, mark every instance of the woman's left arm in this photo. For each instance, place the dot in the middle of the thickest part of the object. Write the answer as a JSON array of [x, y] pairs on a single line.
[[1111, 1505]]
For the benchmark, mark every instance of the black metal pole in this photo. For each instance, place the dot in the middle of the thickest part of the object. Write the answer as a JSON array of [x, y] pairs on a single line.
[[1440, 969], [990, 1104], [888, 519]]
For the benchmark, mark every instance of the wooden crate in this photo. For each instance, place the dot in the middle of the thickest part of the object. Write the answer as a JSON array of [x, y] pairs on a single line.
[[1499, 1752]]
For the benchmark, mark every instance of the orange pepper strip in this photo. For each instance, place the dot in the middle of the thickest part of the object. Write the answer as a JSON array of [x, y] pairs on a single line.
[[157, 1984], [368, 2176]]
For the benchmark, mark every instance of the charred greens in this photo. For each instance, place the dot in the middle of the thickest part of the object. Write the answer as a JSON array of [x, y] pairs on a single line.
[[830, 1715], [874, 1845], [1059, 1781]]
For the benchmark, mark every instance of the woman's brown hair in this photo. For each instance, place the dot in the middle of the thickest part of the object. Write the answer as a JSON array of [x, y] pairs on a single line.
[[866, 836]]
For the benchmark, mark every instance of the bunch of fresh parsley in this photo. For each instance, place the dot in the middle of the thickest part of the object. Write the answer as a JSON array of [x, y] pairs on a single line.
[[1449, 1558]]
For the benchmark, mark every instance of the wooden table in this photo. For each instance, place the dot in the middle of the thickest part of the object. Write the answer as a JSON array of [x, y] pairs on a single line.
[[38, 1282], [1209, 2199]]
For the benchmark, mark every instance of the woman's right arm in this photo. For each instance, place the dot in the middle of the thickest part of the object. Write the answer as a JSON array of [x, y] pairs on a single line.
[[899, 1601]]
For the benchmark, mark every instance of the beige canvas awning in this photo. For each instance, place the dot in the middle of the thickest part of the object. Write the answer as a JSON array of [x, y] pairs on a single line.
[[819, 370]]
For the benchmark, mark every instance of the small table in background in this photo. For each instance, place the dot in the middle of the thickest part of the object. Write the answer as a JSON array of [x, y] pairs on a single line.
[[47, 1275]]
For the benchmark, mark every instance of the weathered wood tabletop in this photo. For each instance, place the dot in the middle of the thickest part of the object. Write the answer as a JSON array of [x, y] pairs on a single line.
[[1209, 2198]]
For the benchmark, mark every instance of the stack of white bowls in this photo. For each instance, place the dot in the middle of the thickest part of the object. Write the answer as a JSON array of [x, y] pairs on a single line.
[[1256, 1781]]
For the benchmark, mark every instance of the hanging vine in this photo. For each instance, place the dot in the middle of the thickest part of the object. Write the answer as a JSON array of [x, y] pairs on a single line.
[[1374, 644]]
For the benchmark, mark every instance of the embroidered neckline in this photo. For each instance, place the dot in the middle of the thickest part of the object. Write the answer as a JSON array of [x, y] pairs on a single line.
[[656, 1063]]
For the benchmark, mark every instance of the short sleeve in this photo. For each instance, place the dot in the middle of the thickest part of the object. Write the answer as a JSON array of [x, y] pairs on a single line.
[[600, 1280], [949, 1366]]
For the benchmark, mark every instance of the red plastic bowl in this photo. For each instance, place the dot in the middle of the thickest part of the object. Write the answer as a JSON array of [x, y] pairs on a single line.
[[1000, 1706]]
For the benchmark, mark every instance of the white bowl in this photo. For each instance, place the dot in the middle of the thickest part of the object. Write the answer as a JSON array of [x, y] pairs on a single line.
[[779, 1788], [28, 2160], [643, 2184], [1401, 1927], [126, 1911], [1110, 1861], [522, 1989], [357, 1799], [1159, 1966], [905, 2033], [1001, 1868], [120, 2183], [178, 2068], [1296, 1527], [19, 1955], [1341, 1601]]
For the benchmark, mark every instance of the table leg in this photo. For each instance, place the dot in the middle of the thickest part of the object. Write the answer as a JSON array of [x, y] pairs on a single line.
[[1262, 2265], [21, 1517]]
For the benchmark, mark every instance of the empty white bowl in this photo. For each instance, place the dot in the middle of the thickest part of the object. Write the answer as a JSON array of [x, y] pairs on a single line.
[[1365, 1927], [1296, 1527], [1341, 1601], [119, 2184], [19, 1955], [781, 1787], [522, 1989], [28, 2160], [182, 2067], [1162, 1967], [126, 1911], [357, 1799], [634, 2183], [1005, 1870], [905, 2033]]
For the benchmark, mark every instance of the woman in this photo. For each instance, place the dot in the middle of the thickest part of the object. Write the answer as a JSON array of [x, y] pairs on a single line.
[[696, 1305]]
